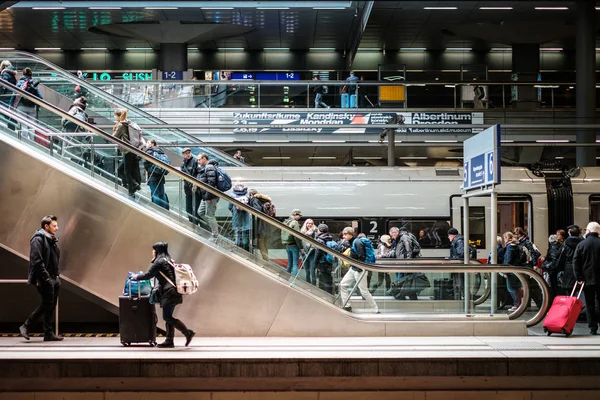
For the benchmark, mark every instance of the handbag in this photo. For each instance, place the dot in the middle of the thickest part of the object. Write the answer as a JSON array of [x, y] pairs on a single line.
[[155, 294]]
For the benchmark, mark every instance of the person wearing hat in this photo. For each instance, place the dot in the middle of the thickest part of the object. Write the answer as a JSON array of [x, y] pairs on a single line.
[[324, 263], [192, 197], [383, 249], [292, 243]]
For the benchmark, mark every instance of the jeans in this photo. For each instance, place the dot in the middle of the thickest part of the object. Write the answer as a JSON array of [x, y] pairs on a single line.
[[192, 202], [293, 253], [45, 312], [32, 113], [319, 101], [157, 189], [349, 279], [172, 322], [207, 211], [309, 265]]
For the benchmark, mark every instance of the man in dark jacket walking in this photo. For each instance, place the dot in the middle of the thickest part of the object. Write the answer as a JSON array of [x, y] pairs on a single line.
[[586, 265], [207, 173], [192, 196], [565, 259], [43, 273], [324, 267]]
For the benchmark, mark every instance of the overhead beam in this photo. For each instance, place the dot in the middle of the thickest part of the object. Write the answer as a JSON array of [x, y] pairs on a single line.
[[360, 24]]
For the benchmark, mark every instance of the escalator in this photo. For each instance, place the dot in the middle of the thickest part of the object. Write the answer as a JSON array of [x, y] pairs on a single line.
[[58, 88], [104, 234]]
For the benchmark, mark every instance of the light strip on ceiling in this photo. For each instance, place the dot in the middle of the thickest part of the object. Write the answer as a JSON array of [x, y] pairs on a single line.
[[440, 8], [552, 141], [459, 49], [94, 48], [192, 48], [321, 158], [413, 49], [276, 158], [495, 8], [329, 8], [276, 48], [138, 48], [552, 8], [161, 8], [47, 48], [48, 8], [412, 158], [551, 49], [6, 48], [441, 141], [230, 48], [369, 49], [272, 8], [329, 141], [367, 158], [217, 8], [104, 8], [322, 49], [501, 49]]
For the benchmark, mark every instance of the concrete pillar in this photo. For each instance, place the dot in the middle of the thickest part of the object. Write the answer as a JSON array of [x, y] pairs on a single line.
[[525, 67], [173, 57], [586, 81]]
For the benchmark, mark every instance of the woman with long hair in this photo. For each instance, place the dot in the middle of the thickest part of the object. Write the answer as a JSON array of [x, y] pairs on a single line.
[[131, 165], [309, 262], [162, 269]]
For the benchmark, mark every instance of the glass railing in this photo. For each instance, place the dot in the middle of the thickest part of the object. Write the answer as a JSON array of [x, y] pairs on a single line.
[[225, 222], [337, 94], [61, 88]]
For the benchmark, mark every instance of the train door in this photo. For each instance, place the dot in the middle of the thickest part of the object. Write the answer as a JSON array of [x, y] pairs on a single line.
[[594, 208], [512, 211]]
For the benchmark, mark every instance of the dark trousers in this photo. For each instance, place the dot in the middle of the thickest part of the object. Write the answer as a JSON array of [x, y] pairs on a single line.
[[49, 293], [324, 273], [381, 276], [130, 174], [192, 202], [592, 294], [171, 322]]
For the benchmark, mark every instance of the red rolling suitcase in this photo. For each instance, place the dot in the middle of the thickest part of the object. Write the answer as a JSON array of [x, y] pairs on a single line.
[[563, 314]]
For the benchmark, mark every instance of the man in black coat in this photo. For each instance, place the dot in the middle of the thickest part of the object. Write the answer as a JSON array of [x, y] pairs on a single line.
[[586, 265], [207, 173], [565, 259], [192, 197], [44, 271]]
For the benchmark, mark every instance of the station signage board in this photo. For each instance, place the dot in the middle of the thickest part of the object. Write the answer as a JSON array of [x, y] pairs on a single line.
[[125, 76], [308, 122], [482, 159]]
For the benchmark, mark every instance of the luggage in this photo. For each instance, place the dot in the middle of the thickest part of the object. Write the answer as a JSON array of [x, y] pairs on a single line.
[[353, 101], [42, 139], [135, 288], [443, 289], [563, 314], [344, 97], [137, 320], [185, 279]]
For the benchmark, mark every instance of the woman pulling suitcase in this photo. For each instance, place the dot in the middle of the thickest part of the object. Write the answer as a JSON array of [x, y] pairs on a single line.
[[162, 270]]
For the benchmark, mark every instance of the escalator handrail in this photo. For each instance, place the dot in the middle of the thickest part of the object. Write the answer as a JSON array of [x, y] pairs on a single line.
[[434, 267], [110, 98]]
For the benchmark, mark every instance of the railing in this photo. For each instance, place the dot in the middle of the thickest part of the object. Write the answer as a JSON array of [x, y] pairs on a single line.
[[268, 230], [101, 104]]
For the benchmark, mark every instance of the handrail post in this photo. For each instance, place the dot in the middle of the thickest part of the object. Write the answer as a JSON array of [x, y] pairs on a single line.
[[56, 315], [466, 280], [494, 256]]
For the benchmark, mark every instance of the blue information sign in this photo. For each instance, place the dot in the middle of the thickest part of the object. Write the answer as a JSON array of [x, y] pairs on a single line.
[[172, 75], [482, 159]]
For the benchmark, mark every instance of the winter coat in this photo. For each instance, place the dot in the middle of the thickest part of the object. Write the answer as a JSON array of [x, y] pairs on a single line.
[[318, 89], [8, 75], [241, 220], [457, 248], [287, 239], [565, 260], [155, 174], [36, 92], [382, 250], [208, 174], [404, 246], [586, 260], [323, 238], [500, 257], [189, 167], [122, 133], [168, 293], [78, 112], [551, 262], [525, 241], [44, 258], [358, 252], [257, 202], [512, 254]]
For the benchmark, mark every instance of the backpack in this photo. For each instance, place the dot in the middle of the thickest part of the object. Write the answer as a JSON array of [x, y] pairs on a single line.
[[223, 180], [155, 168], [29, 88], [136, 137], [472, 252], [269, 209], [184, 277], [332, 244], [77, 113], [369, 250], [285, 236]]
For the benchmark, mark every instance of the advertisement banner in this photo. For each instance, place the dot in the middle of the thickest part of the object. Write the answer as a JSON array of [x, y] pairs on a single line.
[[308, 122]]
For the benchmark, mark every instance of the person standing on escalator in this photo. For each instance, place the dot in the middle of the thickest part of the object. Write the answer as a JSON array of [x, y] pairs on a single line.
[[24, 105], [131, 162]]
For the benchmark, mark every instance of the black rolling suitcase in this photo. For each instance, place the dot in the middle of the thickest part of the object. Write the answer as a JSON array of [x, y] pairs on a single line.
[[137, 320]]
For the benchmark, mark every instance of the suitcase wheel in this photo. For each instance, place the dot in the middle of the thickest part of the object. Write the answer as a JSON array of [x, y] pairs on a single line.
[[564, 331], [152, 343], [126, 344]]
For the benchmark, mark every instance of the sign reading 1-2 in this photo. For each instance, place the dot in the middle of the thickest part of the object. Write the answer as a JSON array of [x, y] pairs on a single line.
[[172, 75]]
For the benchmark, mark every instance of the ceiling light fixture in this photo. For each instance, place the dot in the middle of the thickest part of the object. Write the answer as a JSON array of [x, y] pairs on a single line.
[[104, 8], [413, 158], [441, 141], [48, 8], [501, 49], [276, 158], [6, 48], [329, 8], [217, 8], [321, 158], [192, 48], [459, 49], [412, 49], [329, 141], [230, 48], [161, 8], [138, 48], [369, 49], [440, 8], [495, 8], [367, 158], [47, 48], [552, 141], [94, 48], [322, 49], [551, 49], [276, 48], [272, 8], [552, 8]]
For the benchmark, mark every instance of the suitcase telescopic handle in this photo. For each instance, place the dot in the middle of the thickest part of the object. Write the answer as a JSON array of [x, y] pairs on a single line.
[[139, 288], [575, 287]]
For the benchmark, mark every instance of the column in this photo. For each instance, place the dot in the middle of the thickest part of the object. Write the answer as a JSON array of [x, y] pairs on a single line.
[[173, 57], [586, 81], [525, 67]]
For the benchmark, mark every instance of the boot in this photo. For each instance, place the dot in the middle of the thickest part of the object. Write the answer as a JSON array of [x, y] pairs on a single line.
[[24, 331], [51, 337], [188, 333], [168, 343]]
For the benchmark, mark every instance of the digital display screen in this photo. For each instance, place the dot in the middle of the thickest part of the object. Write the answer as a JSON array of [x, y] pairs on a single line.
[[265, 76]]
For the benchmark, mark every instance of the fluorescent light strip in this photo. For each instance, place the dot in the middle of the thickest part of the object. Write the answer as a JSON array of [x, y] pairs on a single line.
[[322, 49], [413, 158], [369, 49], [459, 49], [367, 158], [230, 48], [441, 141], [494, 8], [552, 8], [94, 48], [413, 49], [276, 48], [272, 141], [329, 141], [559, 158], [321, 158], [217, 8], [6, 48], [192, 48], [440, 8], [104, 8], [551, 49], [329, 8], [506, 141], [276, 158], [161, 8], [552, 141], [47, 48], [48, 8], [272, 8], [138, 48], [501, 49], [454, 158]]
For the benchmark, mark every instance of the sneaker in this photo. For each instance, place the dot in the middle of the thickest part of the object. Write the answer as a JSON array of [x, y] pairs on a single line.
[[349, 309], [24, 332], [513, 308]]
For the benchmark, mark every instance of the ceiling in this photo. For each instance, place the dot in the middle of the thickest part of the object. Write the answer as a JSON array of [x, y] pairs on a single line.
[[390, 24]]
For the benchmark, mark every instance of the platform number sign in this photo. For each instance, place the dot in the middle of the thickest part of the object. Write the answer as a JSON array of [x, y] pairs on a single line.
[[482, 159], [172, 75]]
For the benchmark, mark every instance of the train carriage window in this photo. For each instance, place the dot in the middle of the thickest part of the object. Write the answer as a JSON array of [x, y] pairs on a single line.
[[336, 226], [431, 233], [476, 226], [594, 207]]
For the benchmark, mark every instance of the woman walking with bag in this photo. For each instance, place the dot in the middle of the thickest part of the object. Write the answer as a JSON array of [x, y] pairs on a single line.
[[162, 270]]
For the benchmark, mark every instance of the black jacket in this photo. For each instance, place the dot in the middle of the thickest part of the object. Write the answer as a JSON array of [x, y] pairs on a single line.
[[565, 260], [358, 252], [208, 174], [323, 238], [457, 248], [168, 293], [586, 260], [189, 167], [551, 261], [44, 258], [155, 174], [318, 89], [512, 255]]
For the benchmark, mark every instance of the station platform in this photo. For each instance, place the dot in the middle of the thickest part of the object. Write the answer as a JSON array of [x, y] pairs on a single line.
[[529, 367]]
